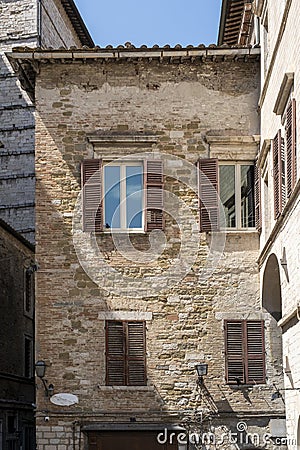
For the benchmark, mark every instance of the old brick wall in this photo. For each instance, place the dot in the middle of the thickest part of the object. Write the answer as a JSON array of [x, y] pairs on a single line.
[[19, 27], [179, 104], [17, 389]]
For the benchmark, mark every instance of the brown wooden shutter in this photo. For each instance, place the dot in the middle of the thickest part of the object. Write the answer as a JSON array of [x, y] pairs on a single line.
[[234, 352], [115, 353], [136, 354], [257, 195], [277, 174], [291, 157], [245, 351], [91, 178], [154, 195], [208, 180], [255, 360], [283, 179]]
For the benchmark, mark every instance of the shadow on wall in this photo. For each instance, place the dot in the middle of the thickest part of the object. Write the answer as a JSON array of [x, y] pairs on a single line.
[[271, 294]]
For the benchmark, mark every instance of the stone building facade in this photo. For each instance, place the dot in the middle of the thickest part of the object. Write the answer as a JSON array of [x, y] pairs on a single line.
[[114, 302], [17, 387], [33, 23], [274, 26]]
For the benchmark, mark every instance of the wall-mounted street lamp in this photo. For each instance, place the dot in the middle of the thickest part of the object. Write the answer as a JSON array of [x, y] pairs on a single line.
[[202, 369], [40, 369]]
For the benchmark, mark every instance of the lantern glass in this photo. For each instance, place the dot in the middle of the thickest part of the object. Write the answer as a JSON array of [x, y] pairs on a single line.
[[40, 368], [202, 369]]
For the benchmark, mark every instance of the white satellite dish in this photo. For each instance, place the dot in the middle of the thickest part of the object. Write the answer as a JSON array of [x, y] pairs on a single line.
[[64, 399]]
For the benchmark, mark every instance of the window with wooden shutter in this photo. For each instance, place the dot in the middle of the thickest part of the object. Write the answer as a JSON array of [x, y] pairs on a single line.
[[257, 194], [208, 194], [91, 178], [277, 174], [291, 157], [125, 353], [245, 352], [154, 195]]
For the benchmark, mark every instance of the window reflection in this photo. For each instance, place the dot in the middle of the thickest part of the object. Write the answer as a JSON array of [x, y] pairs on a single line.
[[134, 196], [227, 194], [247, 196], [112, 196], [123, 196]]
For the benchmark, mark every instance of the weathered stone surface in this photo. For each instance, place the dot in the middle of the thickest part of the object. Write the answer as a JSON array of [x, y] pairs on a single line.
[[186, 322]]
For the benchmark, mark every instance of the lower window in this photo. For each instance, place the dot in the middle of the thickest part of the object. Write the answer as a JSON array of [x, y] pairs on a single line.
[[125, 353], [245, 352]]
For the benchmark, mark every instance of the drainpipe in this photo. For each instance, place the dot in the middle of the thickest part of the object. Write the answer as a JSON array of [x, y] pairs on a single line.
[[205, 143], [39, 22]]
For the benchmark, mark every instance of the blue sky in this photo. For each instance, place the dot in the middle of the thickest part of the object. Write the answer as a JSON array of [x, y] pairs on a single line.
[[158, 22]]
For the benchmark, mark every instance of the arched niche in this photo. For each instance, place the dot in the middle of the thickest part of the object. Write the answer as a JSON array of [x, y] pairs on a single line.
[[271, 293]]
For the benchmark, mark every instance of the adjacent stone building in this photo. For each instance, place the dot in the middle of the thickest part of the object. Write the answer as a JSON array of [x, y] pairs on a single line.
[[274, 26], [279, 164], [17, 387], [34, 23], [130, 294]]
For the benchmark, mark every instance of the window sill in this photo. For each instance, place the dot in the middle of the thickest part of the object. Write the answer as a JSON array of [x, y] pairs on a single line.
[[129, 231], [236, 231], [237, 387], [125, 388]]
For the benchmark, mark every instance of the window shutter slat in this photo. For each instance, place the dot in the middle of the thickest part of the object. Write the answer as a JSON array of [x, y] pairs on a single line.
[[277, 174], [234, 352], [290, 132], [115, 354], [91, 176], [136, 354], [208, 186], [255, 352], [257, 194], [154, 195]]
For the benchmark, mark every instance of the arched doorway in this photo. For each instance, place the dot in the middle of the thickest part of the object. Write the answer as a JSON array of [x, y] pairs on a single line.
[[271, 294], [298, 435]]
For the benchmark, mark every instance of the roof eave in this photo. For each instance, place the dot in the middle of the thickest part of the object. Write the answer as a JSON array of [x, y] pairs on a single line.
[[222, 21], [77, 23]]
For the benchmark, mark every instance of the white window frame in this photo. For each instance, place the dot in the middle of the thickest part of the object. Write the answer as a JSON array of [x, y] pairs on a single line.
[[237, 190], [123, 218]]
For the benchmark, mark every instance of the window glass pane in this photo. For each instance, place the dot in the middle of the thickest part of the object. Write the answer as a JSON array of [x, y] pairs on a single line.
[[112, 196], [134, 200], [227, 194], [247, 196]]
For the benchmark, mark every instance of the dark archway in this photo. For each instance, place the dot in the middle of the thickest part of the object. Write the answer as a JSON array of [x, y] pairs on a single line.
[[271, 294], [298, 435]]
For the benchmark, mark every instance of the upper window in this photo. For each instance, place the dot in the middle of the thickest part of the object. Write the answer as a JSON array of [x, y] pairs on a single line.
[[122, 195], [245, 351], [228, 185], [28, 292], [285, 158], [237, 194], [125, 353]]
